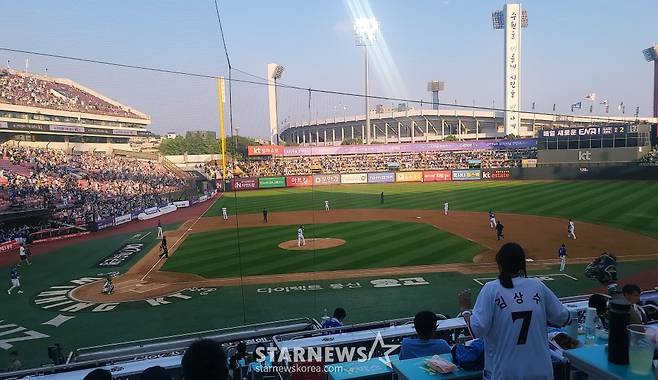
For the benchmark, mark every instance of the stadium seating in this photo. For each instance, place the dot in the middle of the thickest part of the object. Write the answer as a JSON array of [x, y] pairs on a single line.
[[77, 187], [383, 161], [26, 89]]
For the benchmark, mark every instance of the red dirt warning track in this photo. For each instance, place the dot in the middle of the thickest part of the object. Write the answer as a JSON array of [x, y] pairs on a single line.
[[540, 236]]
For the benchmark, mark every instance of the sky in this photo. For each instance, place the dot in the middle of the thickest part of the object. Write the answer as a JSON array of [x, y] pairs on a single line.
[[570, 49]]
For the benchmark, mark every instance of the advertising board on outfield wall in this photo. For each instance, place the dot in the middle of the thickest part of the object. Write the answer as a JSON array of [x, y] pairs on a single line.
[[265, 150], [270, 182], [408, 176], [496, 174], [386, 177], [466, 175], [354, 178], [299, 180], [326, 179], [238, 184], [437, 176], [293, 151]]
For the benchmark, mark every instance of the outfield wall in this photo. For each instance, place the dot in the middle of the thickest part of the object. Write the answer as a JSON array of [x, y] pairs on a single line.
[[540, 173]]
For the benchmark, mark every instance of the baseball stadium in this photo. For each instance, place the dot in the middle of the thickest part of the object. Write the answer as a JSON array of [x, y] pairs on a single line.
[[334, 233]]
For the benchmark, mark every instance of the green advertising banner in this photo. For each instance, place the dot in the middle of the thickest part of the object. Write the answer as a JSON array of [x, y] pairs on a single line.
[[270, 182]]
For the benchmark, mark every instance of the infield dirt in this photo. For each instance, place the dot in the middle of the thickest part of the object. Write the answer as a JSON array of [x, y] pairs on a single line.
[[540, 236]]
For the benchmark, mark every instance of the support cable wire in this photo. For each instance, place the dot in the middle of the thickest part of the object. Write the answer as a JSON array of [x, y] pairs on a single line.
[[295, 87], [235, 144]]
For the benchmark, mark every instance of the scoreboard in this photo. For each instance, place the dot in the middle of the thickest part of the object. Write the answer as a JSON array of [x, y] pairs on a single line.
[[607, 136]]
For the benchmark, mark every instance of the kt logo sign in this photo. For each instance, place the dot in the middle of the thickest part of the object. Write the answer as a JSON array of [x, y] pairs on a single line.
[[584, 156]]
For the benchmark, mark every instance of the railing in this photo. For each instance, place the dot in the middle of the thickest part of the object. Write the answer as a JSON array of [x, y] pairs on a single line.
[[153, 157]]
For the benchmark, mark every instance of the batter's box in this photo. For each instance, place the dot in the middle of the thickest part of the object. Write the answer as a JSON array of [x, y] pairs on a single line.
[[543, 277]]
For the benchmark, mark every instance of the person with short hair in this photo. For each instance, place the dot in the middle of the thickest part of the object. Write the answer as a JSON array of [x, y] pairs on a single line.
[[632, 294], [336, 321], [425, 344], [205, 359], [512, 314]]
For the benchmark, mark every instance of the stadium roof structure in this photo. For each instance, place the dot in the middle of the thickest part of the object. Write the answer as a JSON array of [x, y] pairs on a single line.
[[423, 125]]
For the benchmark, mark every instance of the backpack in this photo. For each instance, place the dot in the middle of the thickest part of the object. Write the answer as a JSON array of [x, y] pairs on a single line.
[[471, 357]]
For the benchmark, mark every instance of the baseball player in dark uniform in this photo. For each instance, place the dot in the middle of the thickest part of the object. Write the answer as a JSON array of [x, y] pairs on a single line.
[[499, 230], [163, 248], [562, 253], [264, 215]]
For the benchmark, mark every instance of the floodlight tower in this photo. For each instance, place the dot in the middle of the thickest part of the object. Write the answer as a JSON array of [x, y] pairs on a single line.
[[434, 87], [512, 18], [274, 72], [651, 55], [366, 32]]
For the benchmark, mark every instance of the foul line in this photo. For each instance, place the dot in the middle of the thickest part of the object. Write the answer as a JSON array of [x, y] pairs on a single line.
[[145, 235], [181, 237]]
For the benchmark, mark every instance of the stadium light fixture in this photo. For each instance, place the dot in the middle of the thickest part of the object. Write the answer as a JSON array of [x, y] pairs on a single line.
[[651, 55], [278, 71], [366, 29], [275, 71]]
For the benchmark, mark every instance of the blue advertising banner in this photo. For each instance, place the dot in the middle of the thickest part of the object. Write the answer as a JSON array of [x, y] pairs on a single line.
[[385, 177], [466, 175]]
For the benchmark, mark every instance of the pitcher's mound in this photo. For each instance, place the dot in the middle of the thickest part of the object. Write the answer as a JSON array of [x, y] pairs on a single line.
[[318, 243]]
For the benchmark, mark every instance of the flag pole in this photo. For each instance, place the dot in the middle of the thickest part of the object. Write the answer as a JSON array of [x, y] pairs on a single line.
[[222, 134]]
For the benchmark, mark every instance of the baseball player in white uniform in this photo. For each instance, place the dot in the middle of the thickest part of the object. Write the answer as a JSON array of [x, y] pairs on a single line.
[[445, 208], [511, 315], [224, 213], [571, 230], [22, 253], [326, 205], [300, 236], [492, 219], [159, 229]]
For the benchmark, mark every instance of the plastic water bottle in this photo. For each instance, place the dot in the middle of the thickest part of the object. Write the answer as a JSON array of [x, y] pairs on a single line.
[[461, 339], [590, 327]]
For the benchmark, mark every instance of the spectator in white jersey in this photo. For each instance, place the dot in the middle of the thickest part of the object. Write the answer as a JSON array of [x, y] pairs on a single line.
[[512, 315]]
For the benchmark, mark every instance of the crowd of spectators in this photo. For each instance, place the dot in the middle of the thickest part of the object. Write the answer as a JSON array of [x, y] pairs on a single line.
[[82, 185], [384, 161], [25, 89], [650, 159]]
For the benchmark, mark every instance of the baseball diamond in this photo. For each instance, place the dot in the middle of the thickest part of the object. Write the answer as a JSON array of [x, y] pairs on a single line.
[[205, 212], [441, 253]]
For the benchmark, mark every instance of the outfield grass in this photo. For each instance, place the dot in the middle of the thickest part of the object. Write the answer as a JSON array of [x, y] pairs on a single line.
[[374, 244], [623, 204]]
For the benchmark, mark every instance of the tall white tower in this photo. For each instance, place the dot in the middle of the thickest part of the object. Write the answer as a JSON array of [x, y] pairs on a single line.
[[274, 72], [512, 18]]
